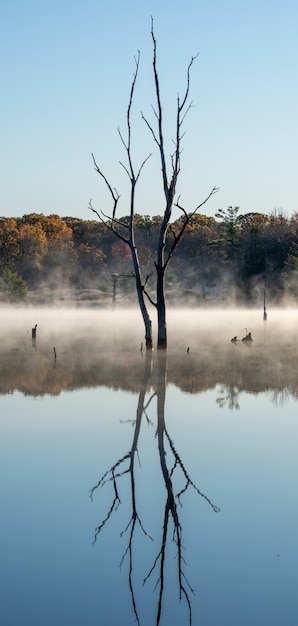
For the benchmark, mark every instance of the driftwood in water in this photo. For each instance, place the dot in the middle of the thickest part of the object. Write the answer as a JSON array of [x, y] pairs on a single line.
[[247, 338], [33, 334], [265, 312]]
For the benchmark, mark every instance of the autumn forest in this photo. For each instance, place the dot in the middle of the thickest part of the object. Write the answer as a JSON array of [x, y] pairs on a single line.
[[229, 257]]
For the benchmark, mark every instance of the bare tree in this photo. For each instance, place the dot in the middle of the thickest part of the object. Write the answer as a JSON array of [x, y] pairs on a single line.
[[169, 184]]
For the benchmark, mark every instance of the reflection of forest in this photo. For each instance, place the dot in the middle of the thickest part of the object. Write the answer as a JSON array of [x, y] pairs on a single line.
[[85, 363]]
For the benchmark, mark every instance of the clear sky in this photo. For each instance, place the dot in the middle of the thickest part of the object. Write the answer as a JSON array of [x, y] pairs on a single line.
[[66, 71]]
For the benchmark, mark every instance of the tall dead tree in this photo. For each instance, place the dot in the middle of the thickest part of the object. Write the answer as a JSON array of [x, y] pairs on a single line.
[[169, 184]]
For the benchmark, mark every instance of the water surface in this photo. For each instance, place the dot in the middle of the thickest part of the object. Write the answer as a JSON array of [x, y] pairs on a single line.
[[216, 424]]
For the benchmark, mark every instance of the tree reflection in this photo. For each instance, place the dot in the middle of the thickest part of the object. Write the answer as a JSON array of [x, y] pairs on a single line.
[[229, 397], [172, 468], [126, 465], [280, 397]]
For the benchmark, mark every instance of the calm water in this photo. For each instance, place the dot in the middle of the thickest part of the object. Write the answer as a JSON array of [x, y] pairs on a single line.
[[217, 426]]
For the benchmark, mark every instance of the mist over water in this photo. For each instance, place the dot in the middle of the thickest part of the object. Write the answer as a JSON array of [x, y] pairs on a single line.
[[217, 325], [86, 347], [221, 414], [95, 347]]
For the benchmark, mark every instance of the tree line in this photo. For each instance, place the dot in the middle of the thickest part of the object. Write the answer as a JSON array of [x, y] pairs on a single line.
[[230, 256]]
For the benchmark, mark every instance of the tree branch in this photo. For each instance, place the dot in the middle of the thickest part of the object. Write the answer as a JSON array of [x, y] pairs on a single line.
[[110, 226], [112, 191], [187, 219], [159, 116]]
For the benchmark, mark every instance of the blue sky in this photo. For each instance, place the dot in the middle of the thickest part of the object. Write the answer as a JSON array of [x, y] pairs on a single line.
[[66, 71]]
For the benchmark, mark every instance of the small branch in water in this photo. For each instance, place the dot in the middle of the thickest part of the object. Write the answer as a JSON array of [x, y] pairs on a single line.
[[33, 336]]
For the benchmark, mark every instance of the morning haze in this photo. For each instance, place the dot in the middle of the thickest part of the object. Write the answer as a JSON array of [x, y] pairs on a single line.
[[189, 457], [93, 347], [148, 357]]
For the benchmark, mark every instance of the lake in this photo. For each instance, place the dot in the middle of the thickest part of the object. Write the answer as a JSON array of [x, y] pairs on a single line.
[[150, 489]]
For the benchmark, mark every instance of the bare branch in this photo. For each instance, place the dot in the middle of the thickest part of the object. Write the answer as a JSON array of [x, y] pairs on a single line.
[[113, 221], [188, 81], [90, 206], [188, 216], [104, 479], [126, 169], [142, 166], [122, 138], [150, 127], [110, 226], [153, 302], [187, 219], [146, 292], [113, 507], [137, 62], [159, 116], [189, 482], [112, 191], [190, 106]]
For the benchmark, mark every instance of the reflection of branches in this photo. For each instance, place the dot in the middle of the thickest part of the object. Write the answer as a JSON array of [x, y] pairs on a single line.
[[126, 465], [149, 422], [171, 510], [115, 473], [188, 480], [280, 397], [231, 399]]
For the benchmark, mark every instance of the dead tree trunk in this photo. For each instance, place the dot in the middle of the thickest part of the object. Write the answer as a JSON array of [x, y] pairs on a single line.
[[169, 187], [161, 308], [142, 304]]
